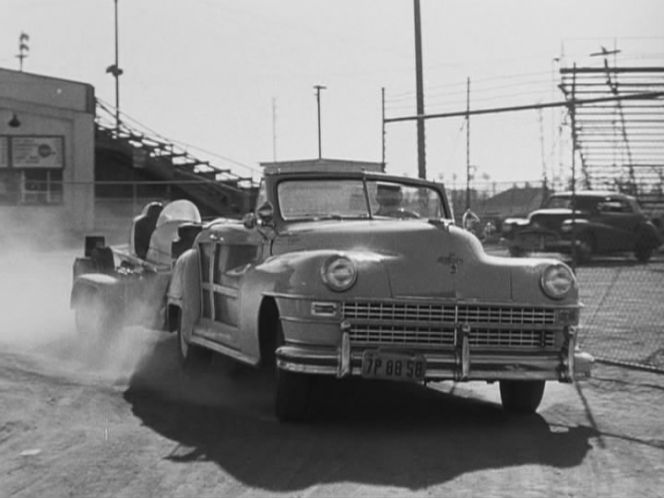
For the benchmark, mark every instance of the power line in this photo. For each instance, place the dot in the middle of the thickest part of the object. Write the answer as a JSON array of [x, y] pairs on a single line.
[[568, 103]]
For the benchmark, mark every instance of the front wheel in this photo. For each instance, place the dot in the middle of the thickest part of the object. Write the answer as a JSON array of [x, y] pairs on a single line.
[[521, 396], [584, 248], [93, 317], [643, 255], [190, 355], [643, 249], [293, 390], [292, 396]]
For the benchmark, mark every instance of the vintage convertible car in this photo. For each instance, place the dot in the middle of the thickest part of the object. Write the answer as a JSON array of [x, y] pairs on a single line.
[[599, 222], [349, 272]]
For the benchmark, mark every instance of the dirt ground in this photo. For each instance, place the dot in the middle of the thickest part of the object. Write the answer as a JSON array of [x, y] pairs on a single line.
[[123, 421]]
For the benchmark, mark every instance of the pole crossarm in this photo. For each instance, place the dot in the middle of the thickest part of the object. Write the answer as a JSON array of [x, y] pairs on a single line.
[[543, 105]]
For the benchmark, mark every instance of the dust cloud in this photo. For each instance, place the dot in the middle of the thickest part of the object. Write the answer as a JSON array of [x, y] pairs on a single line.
[[36, 274], [34, 296], [37, 323]]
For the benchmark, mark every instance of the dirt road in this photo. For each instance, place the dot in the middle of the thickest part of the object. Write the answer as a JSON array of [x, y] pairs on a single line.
[[122, 421]]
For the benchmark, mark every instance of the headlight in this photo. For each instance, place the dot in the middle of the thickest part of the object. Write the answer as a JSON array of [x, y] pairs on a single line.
[[557, 281], [339, 273]]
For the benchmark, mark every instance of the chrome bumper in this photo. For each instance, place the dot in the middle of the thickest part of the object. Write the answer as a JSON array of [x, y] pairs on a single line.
[[459, 364]]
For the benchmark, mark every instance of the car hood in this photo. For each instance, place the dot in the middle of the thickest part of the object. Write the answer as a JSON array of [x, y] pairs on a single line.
[[422, 259], [552, 218]]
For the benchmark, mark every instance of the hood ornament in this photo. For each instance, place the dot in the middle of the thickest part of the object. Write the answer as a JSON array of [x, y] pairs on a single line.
[[451, 260]]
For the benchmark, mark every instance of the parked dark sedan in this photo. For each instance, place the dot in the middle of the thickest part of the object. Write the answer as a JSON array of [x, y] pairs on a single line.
[[595, 222]]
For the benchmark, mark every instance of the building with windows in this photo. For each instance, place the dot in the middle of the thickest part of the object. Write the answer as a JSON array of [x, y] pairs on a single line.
[[47, 148], [64, 170]]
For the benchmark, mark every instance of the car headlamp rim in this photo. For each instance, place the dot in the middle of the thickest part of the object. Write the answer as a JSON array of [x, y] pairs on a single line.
[[557, 281], [339, 273]]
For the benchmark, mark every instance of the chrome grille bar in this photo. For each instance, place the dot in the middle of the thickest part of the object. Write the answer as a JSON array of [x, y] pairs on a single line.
[[385, 334], [463, 313], [394, 323]]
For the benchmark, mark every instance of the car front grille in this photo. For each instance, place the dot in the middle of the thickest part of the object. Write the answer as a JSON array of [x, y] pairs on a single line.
[[394, 323]]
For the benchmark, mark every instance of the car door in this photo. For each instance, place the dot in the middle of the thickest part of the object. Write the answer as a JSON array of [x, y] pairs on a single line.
[[226, 256]]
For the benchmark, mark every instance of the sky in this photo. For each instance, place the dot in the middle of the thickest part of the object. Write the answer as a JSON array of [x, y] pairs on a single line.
[[234, 80]]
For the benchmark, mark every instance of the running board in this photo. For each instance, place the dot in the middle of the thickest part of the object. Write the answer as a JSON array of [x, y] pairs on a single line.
[[225, 350]]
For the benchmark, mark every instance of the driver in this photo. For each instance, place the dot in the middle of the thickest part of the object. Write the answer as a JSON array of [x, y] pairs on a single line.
[[389, 199]]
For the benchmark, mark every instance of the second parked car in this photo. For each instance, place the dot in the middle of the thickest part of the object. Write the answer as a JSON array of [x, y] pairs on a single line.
[[593, 222]]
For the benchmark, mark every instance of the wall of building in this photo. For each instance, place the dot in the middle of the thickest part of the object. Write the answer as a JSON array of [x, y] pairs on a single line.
[[46, 138]]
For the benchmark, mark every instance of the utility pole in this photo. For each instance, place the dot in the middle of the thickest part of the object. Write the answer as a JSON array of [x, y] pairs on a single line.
[[23, 49], [382, 135], [421, 157], [116, 72], [540, 119], [274, 129], [318, 88], [572, 112], [468, 143]]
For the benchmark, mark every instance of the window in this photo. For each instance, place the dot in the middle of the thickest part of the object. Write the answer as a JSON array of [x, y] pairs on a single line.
[[41, 186], [612, 205], [8, 187]]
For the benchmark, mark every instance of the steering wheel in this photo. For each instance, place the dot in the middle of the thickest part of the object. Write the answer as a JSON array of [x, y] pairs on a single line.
[[400, 213]]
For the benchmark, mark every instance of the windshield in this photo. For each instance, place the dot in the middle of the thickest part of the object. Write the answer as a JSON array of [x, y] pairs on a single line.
[[180, 210], [347, 198]]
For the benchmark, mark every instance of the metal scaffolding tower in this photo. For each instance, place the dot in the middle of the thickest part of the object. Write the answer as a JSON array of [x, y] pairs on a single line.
[[620, 142]]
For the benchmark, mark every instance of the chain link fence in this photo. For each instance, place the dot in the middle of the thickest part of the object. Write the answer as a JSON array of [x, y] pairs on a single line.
[[623, 317]]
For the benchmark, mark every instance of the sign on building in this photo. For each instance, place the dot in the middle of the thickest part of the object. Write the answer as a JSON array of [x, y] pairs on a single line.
[[37, 152]]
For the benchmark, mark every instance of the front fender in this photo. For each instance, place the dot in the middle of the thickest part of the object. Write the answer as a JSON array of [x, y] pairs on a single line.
[[526, 283], [108, 287], [299, 273]]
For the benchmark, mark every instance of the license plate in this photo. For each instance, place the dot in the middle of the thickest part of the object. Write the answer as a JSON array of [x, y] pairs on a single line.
[[393, 366]]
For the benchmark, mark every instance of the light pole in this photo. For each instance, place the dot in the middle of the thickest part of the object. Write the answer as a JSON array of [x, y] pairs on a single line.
[[116, 72], [23, 49], [318, 88]]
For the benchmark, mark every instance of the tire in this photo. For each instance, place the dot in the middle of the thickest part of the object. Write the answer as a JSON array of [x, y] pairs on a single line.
[[643, 254], [93, 317], [293, 391], [293, 396], [521, 396], [584, 249], [191, 356], [644, 247]]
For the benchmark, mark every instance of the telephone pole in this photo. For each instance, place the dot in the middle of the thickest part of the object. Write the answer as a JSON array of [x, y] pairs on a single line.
[[421, 157], [274, 129], [382, 133], [318, 88], [468, 174]]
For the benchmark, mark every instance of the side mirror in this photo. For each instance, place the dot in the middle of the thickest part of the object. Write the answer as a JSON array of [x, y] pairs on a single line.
[[265, 213]]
